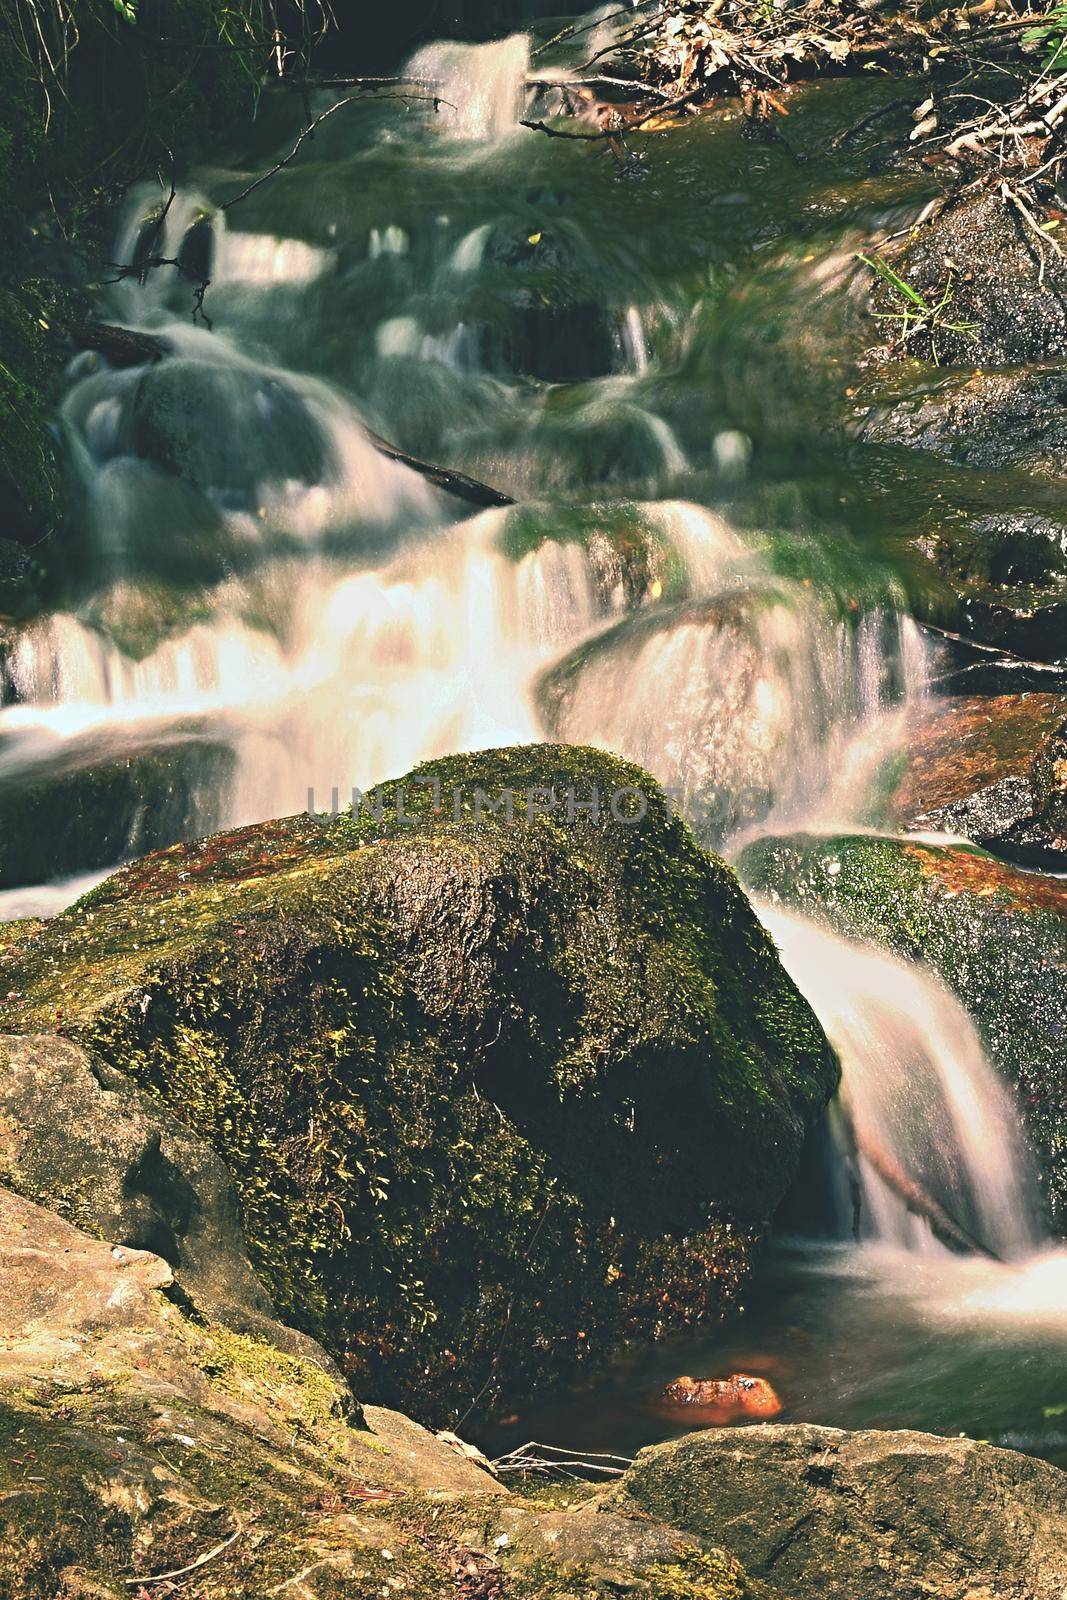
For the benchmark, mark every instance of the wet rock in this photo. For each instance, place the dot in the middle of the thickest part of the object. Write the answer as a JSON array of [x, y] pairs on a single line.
[[997, 937], [992, 769], [80, 809], [225, 429], [965, 667], [80, 1138], [889, 1516], [196, 253], [736, 1396], [985, 247], [409, 1034], [1009, 571], [548, 324], [987, 420]]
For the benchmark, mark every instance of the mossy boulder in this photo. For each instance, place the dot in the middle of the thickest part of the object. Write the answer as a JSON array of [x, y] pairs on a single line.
[[994, 935], [492, 1092], [992, 769]]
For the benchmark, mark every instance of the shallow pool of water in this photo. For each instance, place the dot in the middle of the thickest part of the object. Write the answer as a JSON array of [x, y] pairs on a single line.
[[851, 1337]]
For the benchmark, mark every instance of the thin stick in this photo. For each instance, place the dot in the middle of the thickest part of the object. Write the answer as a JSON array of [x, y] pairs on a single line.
[[194, 1566], [309, 131]]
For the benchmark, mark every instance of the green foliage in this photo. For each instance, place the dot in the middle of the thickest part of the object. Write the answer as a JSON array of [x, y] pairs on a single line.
[[917, 315], [1051, 31]]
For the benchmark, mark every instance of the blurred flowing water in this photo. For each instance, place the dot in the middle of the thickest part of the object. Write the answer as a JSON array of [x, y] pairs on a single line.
[[258, 603]]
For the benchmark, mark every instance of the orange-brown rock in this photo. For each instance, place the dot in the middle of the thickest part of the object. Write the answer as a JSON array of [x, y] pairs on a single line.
[[739, 1395]]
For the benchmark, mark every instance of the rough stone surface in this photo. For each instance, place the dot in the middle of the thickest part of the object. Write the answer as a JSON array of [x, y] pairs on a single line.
[[136, 1441], [470, 1076], [984, 246], [882, 1516], [81, 1138], [992, 769], [982, 419]]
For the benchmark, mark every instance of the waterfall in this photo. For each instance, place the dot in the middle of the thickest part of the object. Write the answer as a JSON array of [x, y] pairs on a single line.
[[921, 1112], [480, 87]]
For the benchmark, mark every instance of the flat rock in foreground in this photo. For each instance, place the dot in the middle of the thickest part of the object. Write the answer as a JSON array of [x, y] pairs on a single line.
[[865, 1516]]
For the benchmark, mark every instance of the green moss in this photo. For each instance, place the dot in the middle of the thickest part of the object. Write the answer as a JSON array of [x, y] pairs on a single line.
[[627, 548], [492, 1095]]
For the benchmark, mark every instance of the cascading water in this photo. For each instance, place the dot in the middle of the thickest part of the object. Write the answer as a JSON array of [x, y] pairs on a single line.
[[922, 1122], [479, 89], [263, 604]]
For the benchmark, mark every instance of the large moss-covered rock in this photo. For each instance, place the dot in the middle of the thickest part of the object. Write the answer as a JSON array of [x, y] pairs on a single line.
[[994, 935], [885, 1516], [491, 1092]]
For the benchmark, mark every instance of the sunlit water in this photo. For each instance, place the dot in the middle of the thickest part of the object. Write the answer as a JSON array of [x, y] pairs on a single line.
[[687, 580]]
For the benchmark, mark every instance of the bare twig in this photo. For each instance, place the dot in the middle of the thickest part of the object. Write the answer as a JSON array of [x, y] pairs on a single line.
[[309, 133], [551, 1460], [194, 1566]]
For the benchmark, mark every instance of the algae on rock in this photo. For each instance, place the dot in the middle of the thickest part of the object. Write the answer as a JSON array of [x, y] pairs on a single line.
[[493, 1094]]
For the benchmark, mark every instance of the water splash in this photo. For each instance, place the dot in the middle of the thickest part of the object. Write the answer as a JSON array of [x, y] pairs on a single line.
[[481, 87]]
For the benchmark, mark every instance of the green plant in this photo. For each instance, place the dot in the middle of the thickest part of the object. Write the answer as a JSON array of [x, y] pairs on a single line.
[[1051, 32], [914, 312]]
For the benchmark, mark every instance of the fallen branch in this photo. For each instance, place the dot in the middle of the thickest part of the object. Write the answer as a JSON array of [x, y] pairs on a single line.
[[917, 1201], [554, 1460], [309, 133], [457, 483]]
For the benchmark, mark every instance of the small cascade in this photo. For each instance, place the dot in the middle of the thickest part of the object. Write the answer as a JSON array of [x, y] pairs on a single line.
[[480, 88], [746, 704], [922, 1120]]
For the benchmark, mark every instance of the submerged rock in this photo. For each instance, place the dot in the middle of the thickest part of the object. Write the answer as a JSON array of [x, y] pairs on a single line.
[[470, 1075], [226, 429], [735, 1396], [992, 769], [737, 697], [995, 936], [886, 1516]]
